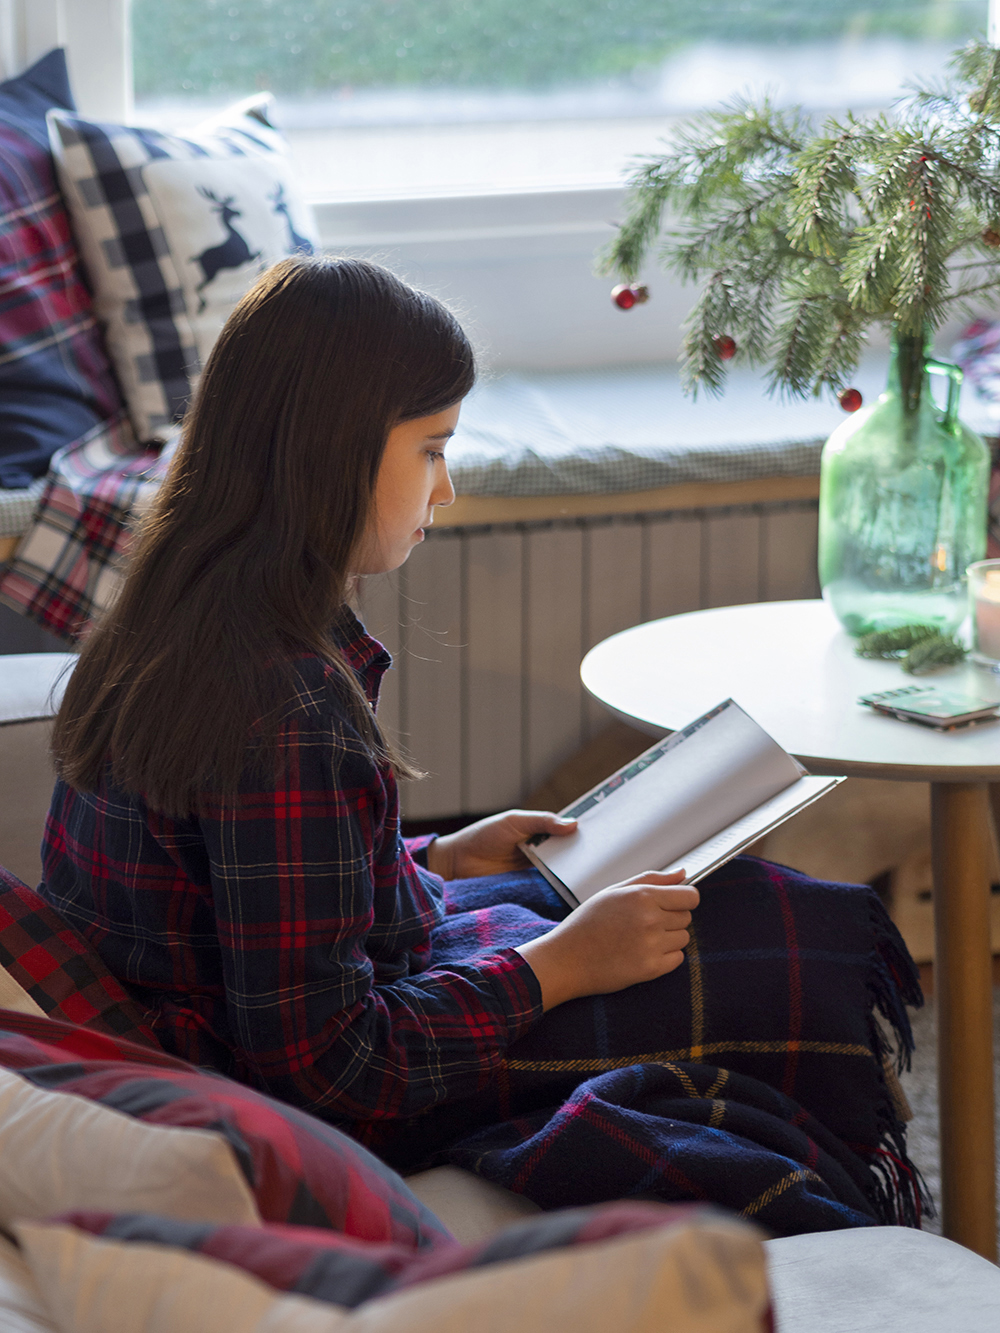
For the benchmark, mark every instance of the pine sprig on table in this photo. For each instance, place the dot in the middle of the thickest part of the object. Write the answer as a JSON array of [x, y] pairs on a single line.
[[803, 238], [917, 648]]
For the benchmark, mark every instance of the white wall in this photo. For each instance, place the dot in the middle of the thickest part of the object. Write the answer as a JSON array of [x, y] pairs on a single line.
[[95, 35], [518, 270]]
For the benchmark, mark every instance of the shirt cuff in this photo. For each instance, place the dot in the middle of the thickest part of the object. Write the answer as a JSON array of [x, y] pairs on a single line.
[[417, 847], [513, 982]]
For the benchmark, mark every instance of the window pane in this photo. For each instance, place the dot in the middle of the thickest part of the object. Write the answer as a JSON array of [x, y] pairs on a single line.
[[444, 94]]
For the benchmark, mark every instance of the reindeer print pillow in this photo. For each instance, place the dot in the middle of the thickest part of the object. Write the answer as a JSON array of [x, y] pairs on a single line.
[[224, 222], [172, 232]]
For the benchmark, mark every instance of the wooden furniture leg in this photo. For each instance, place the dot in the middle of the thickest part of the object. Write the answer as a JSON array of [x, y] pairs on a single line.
[[963, 989]]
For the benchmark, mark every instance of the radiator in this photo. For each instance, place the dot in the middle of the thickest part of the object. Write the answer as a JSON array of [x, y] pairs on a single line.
[[487, 626]]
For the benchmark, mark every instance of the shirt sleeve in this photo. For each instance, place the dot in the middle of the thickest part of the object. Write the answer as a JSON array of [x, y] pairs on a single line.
[[323, 923], [418, 847]]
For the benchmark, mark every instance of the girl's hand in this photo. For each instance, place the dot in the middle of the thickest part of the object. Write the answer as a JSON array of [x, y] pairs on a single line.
[[625, 934], [489, 847]]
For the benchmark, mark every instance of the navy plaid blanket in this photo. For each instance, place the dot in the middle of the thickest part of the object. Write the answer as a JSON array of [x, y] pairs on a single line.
[[755, 1076]]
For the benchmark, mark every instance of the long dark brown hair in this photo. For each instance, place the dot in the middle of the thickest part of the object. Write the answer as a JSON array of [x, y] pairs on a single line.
[[245, 559]]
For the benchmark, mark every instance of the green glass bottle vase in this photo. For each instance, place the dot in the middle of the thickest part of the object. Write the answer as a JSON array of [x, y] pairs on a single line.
[[902, 509]]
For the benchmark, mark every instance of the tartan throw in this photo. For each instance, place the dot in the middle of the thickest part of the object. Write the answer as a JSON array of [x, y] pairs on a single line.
[[299, 1169], [332, 1267], [55, 380], [69, 566], [59, 969], [751, 1077], [152, 212]]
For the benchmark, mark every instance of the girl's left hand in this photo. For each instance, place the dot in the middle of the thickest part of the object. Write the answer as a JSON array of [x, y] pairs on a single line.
[[489, 847]]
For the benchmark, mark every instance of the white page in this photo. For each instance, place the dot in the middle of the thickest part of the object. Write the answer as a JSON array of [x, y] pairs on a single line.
[[680, 793], [701, 861]]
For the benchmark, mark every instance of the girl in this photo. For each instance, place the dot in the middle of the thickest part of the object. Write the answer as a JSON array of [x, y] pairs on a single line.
[[225, 825]]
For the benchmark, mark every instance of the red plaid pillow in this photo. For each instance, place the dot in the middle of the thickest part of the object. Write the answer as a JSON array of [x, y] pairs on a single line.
[[59, 969], [300, 1169], [346, 1271]]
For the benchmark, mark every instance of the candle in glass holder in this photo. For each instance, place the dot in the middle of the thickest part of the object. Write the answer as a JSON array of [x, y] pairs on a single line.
[[984, 592]]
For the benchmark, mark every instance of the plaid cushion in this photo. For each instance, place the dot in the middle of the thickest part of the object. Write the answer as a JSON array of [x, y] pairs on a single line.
[[69, 565], [58, 968], [55, 381], [173, 231], [301, 1170], [344, 1271]]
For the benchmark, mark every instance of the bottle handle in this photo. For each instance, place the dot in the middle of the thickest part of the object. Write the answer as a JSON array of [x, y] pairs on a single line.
[[954, 376]]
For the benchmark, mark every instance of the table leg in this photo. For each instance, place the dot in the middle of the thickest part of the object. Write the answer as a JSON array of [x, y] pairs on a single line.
[[963, 989]]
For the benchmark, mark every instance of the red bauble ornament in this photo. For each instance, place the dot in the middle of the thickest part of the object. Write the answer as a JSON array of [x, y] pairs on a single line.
[[991, 238], [626, 295], [850, 400], [725, 346]]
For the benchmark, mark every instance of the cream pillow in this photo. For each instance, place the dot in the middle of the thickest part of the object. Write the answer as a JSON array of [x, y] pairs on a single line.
[[60, 1152], [21, 1307], [709, 1277]]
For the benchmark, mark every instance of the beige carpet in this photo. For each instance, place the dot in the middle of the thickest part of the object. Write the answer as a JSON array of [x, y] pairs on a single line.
[[921, 1089]]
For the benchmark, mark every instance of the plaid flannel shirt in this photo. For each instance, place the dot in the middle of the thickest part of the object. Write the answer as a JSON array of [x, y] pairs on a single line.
[[285, 935]]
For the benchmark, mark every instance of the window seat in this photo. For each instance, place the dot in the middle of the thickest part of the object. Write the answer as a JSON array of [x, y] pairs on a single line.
[[602, 432]]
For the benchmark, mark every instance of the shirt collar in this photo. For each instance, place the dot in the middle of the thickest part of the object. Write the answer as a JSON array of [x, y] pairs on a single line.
[[365, 655]]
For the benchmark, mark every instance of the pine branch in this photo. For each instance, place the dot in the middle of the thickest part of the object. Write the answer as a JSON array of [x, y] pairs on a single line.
[[802, 240]]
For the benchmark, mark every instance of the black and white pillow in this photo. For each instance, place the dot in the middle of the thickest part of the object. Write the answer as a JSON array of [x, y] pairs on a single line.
[[173, 231]]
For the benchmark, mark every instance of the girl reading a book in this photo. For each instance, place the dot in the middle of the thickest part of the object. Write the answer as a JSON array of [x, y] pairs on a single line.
[[225, 825]]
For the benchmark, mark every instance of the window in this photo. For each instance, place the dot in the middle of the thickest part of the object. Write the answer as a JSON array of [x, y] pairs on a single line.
[[410, 97]]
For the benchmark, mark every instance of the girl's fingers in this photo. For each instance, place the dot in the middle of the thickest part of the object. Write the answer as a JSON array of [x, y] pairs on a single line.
[[528, 822], [656, 877]]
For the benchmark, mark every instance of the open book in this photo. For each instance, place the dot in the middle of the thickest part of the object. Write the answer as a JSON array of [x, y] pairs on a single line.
[[693, 800]]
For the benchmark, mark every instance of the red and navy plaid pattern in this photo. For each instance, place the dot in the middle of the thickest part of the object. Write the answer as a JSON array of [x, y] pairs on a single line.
[[55, 380], [753, 1076], [288, 938], [300, 1169], [59, 970], [331, 1267], [284, 937], [69, 565]]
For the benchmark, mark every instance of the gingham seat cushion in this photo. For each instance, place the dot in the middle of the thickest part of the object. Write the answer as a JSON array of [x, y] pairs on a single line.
[[58, 968]]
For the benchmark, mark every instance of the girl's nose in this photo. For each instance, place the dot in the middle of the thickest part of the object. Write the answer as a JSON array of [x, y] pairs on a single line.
[[444, 491]]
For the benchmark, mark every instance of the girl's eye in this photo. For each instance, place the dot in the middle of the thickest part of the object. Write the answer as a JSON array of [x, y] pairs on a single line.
[[434, 454]]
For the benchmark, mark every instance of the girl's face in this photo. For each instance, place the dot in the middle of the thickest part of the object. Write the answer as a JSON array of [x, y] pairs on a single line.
[[412, 479]]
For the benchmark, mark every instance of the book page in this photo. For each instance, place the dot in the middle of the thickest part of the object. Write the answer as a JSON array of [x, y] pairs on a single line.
[[674, 797], [701, 861]]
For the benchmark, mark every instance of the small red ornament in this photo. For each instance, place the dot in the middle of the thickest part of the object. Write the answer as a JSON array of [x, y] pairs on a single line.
[[991, 238], [626, 295], [851, 400], [725, 346]]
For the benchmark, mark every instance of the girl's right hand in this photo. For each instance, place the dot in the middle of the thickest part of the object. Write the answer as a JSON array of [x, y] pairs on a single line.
[[630, 932]]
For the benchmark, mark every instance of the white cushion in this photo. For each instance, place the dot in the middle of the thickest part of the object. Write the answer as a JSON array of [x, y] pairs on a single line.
[[32, 685], [708, 1278], [471, 1208], [60, 1152], [22, 1309], [881, 1280]]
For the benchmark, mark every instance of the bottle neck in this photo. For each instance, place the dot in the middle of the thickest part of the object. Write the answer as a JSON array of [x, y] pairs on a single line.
[[907, 367]]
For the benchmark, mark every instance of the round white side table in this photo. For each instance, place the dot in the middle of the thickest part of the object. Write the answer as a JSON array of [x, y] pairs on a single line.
[[793, 669]]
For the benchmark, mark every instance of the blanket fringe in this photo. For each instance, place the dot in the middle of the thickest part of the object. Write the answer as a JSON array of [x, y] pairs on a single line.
[[899, 1192]]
